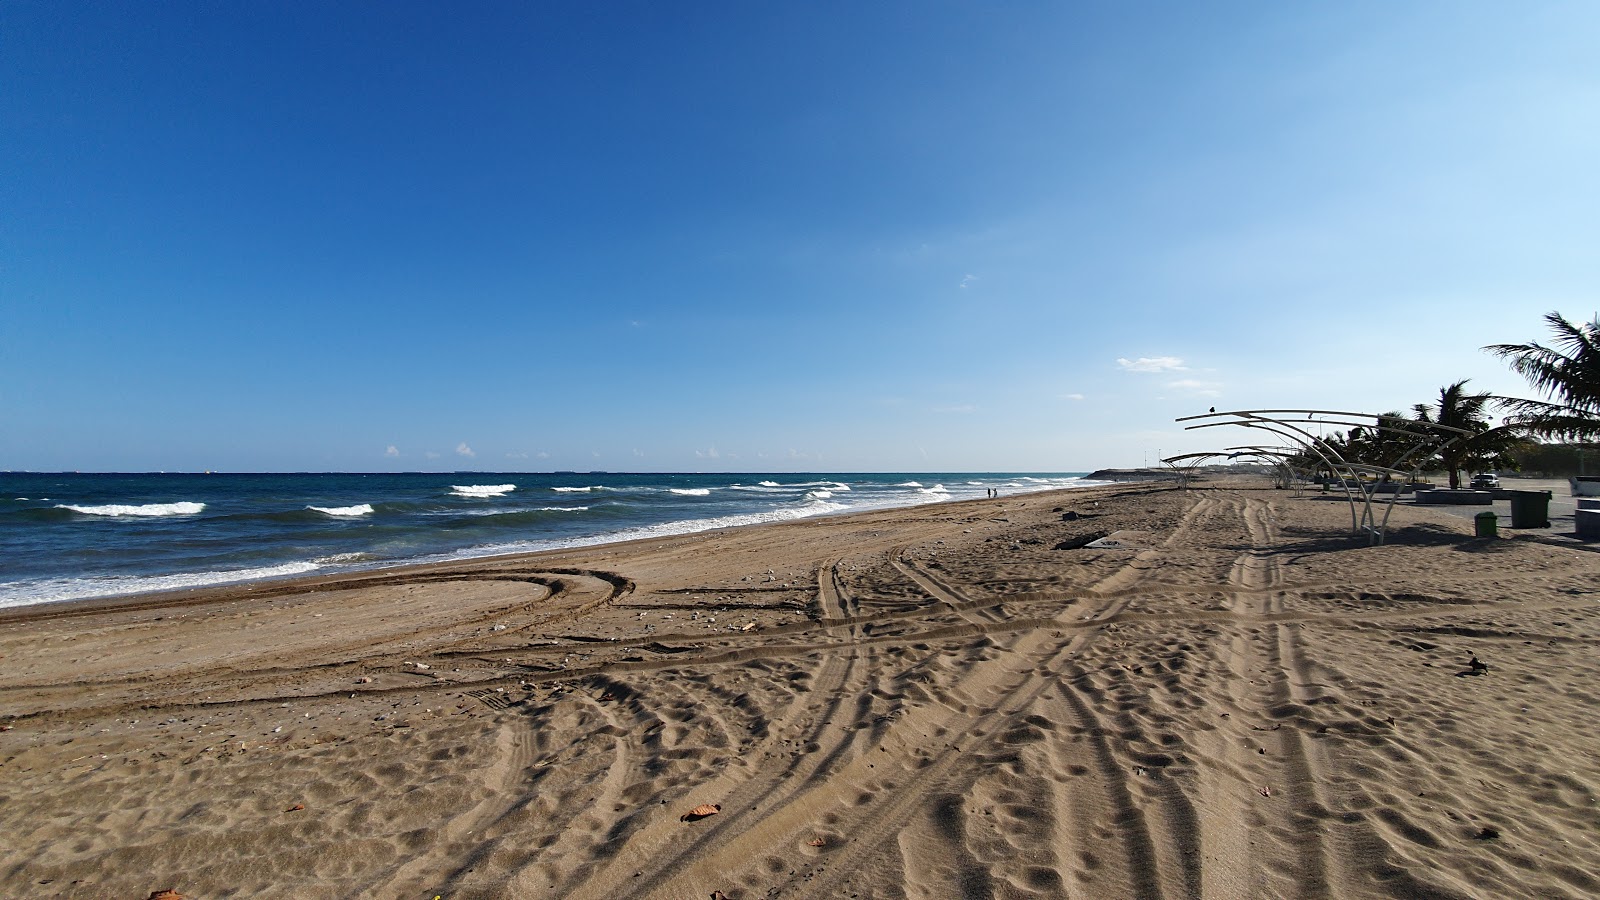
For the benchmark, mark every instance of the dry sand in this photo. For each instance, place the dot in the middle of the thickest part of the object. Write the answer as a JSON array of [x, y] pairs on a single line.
[[948, 701]]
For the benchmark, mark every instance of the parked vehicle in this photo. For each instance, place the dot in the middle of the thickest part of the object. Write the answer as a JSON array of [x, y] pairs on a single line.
[[1486, 482]]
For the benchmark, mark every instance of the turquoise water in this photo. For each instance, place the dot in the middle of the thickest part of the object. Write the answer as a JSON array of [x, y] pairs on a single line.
[[79, 536]]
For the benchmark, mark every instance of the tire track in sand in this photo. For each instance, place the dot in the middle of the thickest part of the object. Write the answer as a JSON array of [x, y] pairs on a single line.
[[871, 807]]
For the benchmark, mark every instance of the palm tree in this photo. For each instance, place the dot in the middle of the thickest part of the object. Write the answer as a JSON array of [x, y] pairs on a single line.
[[1484, 448], [1568, 373]]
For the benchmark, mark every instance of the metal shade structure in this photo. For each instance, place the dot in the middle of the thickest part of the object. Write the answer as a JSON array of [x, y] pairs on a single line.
[[1360, 481]]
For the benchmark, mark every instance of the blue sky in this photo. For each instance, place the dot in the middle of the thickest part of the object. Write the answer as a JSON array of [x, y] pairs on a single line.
[[774, 237]]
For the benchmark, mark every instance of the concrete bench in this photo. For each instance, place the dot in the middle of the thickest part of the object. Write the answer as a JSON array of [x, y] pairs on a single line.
[[1456, 498]]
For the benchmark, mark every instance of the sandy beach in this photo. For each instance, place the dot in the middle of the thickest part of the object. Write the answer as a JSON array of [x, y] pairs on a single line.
[[1229, 697]]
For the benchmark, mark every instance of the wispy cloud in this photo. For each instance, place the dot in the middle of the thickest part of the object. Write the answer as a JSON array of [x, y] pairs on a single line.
[[392, 451], [1195, 386], [463, 450], [1152, 364], [710, 453], [430, 454], [1072, 396], [968, 279], [516, 454]]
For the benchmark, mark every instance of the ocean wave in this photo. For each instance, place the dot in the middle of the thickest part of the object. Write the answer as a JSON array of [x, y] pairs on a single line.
[[344, 512], [27, 593], [769, 484], [147, 510], [347, 558], [915, 484], [664, 529], [819, 495], [481, 490], [579, 490], [691, 492], [936, 489], [531, 509]]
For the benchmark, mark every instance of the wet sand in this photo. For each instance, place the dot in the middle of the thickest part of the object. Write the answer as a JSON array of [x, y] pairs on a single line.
[[1235, 698]]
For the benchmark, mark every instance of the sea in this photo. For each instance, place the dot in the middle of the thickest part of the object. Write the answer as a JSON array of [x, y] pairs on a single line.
[[75, 536]]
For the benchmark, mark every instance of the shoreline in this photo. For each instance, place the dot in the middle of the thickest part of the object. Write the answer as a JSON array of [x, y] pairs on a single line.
[[285, 534], [912, 700], [249, 589]]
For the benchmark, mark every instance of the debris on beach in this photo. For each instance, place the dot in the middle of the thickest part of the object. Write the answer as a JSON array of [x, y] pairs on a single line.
[[817, 842], [1264, 791], [700, 812], [750, 627], [167, 894], [296, 808]]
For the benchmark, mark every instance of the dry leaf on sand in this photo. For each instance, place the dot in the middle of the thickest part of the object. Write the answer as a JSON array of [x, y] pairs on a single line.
[[700, 812]]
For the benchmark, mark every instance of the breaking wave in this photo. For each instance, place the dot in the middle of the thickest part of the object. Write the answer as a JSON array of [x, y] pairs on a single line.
[[344, 512], [482, 490], [691, 492], [147, 510]]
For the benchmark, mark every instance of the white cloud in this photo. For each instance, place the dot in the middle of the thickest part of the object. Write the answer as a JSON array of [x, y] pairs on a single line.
[[1072, 396], [392, 451], [1194, 386], [463, 450], [968, 279], [542, 455], [1152, 364], [708, 454], [516, 454]]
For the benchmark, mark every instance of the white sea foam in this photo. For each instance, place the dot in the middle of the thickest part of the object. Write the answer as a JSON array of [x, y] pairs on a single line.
[[25, 593], [915, 484], [148, 510], [578, 490], [838, 486], [341, 558], [664, 529], [691, 492], [482, 490], [936, 489], [819, 495], [768, 484], [345, 512]]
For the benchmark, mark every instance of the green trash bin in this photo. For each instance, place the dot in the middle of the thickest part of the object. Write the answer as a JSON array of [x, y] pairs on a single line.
[[1487, 525], [1530, 509]]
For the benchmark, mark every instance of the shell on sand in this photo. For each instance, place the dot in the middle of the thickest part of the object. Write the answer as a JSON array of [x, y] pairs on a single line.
[[700, 812]]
